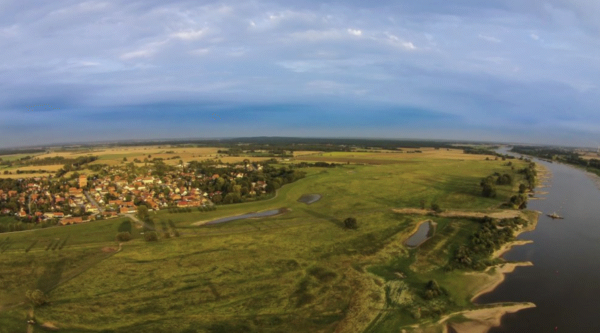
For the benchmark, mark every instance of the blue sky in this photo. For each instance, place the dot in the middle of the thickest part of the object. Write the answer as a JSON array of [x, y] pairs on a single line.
[[509, 70]]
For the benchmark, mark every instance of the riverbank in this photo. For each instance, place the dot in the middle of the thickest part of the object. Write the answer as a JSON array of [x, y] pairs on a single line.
[[482, 320]]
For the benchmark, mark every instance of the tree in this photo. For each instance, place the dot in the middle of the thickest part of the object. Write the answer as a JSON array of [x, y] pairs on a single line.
[[436, 208], [505, 179], [350, 223], [270, 188], [123, 236], [488, 188], [150, 236], [142, 212], [36, 297], [522, 188]]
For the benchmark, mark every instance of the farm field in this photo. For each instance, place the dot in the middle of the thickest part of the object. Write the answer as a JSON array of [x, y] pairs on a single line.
[[171, 155], [300, 271], [390, 157]]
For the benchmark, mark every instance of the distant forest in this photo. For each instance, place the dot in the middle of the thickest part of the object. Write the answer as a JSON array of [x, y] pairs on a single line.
[[292, 144], [560, 154]]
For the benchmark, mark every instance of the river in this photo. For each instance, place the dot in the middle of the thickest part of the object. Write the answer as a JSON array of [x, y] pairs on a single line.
[[564, 281]]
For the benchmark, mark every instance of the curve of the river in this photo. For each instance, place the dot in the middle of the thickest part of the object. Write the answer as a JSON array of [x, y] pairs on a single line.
[[564, 281]]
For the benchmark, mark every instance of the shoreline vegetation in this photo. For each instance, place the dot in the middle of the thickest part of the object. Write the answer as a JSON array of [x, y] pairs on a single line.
[[484, 316], [484, 319]]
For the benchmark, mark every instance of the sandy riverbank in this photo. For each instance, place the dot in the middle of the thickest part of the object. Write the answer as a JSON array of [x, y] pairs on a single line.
[[482, 320], [495, 275]]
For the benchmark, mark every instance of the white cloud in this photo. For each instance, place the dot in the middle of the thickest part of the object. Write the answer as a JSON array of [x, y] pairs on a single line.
[[489, 38], [534, 37], [83, 7], [11, 31], [318, 35], [355, 32], [189, 34], [199, 52], [397, 42], [326, 87], [137, 54]]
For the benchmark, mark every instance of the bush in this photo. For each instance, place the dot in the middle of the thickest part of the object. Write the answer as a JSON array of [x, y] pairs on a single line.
[[350, 223], [436, 208], [124, 236], [36, 297], [151, 236]]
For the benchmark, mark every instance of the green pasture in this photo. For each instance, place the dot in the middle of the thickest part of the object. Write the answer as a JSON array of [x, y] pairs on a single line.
[[300, 271]]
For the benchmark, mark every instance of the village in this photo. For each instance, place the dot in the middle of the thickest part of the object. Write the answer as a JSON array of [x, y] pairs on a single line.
[[117, 191]]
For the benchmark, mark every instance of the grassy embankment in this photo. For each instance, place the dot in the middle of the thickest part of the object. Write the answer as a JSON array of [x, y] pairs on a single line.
[[300, 271]]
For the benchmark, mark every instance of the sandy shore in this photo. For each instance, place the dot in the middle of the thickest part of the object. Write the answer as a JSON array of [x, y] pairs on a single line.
[[506, 247], [481, 320], [495, 275]]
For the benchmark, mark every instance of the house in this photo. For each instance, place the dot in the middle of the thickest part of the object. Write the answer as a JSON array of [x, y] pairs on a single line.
[[71, 220], [109, 214], [51, 215], [82, 181], [75, 192], [182, 204], [153, 205], [128, 210], [115, 202]]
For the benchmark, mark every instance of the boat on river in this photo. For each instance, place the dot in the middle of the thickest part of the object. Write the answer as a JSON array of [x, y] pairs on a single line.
[[555, 216]]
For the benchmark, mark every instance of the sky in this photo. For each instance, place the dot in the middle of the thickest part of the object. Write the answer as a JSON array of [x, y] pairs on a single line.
[[494, 70]]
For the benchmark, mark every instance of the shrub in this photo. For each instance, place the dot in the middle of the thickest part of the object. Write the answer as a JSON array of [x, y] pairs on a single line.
[[350, 223], [36, 297], [436, 208], [151, 236], [124, 236]]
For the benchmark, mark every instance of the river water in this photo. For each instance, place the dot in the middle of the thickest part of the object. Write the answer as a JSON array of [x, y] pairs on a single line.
[[564, 281]]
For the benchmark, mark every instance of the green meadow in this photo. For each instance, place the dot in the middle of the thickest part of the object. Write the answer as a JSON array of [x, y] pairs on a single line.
[[300, 271]]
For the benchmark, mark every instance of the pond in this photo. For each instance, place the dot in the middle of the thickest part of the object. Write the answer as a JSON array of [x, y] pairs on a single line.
[[309, 198], [422, 234], [247, 216]]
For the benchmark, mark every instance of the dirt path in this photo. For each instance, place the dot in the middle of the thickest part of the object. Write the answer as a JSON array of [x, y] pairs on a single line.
[[495, 214]]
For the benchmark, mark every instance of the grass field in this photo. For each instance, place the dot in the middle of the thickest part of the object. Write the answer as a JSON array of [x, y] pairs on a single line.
[[296, 272]]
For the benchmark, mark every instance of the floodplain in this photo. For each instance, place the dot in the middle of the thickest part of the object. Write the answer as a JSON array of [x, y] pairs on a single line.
[[301, 271]]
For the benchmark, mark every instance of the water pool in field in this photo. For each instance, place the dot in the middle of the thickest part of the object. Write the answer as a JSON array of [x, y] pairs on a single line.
[[421, 235], [246, 216], [309, 198]]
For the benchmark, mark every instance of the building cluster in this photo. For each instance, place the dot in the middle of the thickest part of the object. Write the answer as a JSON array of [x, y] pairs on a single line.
[[116, 193]]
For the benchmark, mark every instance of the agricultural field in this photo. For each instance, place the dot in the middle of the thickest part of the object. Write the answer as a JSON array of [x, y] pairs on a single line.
[[300, 271], [420, 155], [171, 155]]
